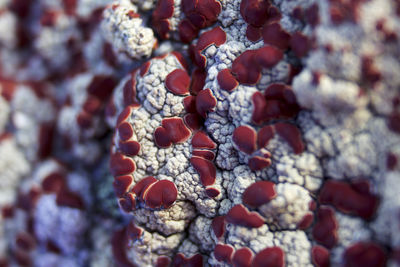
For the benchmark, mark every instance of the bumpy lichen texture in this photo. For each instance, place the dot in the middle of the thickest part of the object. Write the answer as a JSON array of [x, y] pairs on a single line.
[[200, 133]]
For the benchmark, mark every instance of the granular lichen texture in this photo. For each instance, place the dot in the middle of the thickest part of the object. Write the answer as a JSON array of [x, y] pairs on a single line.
[[191, 133]]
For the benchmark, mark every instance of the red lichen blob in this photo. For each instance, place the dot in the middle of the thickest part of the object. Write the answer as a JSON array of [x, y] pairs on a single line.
[[205, 102], [364, 254], [245, 139], [178, 82], [206, 170], [161, 194], [269, 257], [226, 80], [242, 257], [320, 256], [223, 253], [292, 135], [239, 215], [325, 228], [259, 193]]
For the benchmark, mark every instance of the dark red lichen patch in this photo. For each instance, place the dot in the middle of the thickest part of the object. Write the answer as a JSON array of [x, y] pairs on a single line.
[[259, 193], [161, 194], [118, 245], [245, 68], [163, 261], [133, 232], [53, 182], [216, 37], [245, 138], [226, 80], [268, 56], [253, 33], [254, 12], [355, 198], [269, 257], [129, 91], [273, 34], [223, 253], [205, 102], [299, 44], [364, 254], [198, 81], [203, 141], [121, 184], [391, 161], [206, 170], [127, 202], [187, 31], [239, 215], [306, 221], [265, 134], [181, 261], [125, 131], [205, 154], [129, 148], [121, 165], [144, 68], [259, 107], [394, 122], [25, 241], [212, 192], [320, 256], [242, 257], [369, 71], [325, 228], [171, 131], [291, 134], [141, 186], [163, 11], [194, 121], [178, 82], [258, 163], [189, 103], [218, 226]]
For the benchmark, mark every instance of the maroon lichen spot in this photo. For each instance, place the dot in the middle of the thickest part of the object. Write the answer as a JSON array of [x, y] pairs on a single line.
[[121, 184], [141, 186], [391, 161], [187, 31], [216, 36], [206, 170], [189, 103], [198, 81], [205, 154], [312, 15], [291, 134], [163, 11], [53, 182], [181, 261], [203, 141], [25, 241], [121, 165], [242, 257], [259, 106], [144, 68], [205, 102], [124, 115], [129, 148], [281, 102], [299, 44], [245, 138], [273, 34], [125, 131], [218, 226], [306, 221], [258, 163], [178, 82], [133, 232], [239, 215], [364, 254], [226, 80], [127, 202], [118, 245], [355, 199], [194, 121], [259, 193], [161, 194], [369, 71], [129, 91], [268, 56], [84, 120], [269, 257], [394, 122], [325, 228], [212, 192], [172, 130], [163, 261], [253, 33], [201, 13], [320, 256], [245, 68], [101, 86], [69, 199], [223, 253], [254, 12]]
